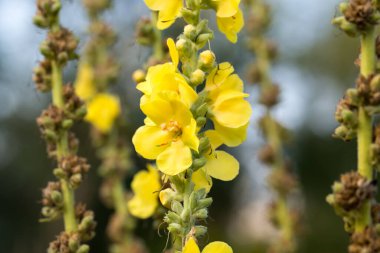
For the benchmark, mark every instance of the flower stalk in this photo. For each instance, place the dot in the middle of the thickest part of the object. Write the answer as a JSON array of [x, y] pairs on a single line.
[[55, 123], [177, 112], [355, 114], [282, 181], [98, 70]]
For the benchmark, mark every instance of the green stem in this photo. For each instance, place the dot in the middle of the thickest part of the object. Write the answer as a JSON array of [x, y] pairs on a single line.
[[158, 51], [62, 150], [368, 65]]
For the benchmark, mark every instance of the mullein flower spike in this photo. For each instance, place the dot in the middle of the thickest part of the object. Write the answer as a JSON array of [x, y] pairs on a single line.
[[177, 110]]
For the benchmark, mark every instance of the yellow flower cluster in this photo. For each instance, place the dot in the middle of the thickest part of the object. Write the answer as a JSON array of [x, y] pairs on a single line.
[[229, 17], [102, 108], [170, 133]]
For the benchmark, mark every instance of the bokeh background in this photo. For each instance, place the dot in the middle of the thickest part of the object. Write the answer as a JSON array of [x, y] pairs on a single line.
[[314, 69]]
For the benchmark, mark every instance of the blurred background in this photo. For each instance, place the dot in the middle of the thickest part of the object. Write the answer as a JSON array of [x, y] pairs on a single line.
[[314, 68]]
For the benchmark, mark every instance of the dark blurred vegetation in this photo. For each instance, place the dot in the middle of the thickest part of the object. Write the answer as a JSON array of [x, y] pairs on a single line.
[[315, 67]]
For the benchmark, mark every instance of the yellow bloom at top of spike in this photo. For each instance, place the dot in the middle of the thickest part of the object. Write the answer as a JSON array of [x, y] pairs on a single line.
[[168, 11], [169, 136], [84, 85], [166, 78], [230, 112], [145, 186], [102, 110], [214, 247]]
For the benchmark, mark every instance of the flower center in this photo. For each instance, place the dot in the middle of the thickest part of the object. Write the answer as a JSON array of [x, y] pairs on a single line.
[[173, 128]]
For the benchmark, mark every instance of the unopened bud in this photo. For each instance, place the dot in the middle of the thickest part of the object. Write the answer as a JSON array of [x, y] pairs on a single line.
[[201, 214], [83, 249], [201, 121], [199, 163], [375, 83], [349, 28], [200, 231], [190, 32], [138, 76], [206, 59], [197, 77], [176, 207]]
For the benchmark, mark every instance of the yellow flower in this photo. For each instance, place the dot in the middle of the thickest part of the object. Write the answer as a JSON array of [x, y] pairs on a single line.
[[168, 11], [169, 135], [102, 110], [145, 186], [84, 85], [231, 26], [164, 78], [214, 247], [230, 112]]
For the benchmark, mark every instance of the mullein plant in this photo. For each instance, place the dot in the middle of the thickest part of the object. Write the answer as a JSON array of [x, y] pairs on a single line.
[[180, 98], [98, 69], [283, 183], [353, 197], [55, 122]]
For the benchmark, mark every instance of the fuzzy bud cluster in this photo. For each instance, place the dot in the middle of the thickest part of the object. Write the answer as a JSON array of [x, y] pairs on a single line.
[[358, 16]]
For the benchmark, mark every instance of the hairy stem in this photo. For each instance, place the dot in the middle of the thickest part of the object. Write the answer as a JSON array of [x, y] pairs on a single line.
[[62, 150], [368, 64]]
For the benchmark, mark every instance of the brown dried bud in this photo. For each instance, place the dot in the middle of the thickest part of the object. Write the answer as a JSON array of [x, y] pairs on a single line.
[[145, 32], [86, 222], [366, 241], [254, 74], [65, 243], [283, 180], [266, 154], [47, 11], [269, 96], [94, 7], [42, 76], [60, 45], [360, 13], [74, 107], [75, 168], [354, 191]]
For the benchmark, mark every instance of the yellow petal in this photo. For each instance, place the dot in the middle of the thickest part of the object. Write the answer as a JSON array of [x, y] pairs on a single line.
[[175, 159], [219, 75], [232, 137], [217, 247], [215, 138], [189, 135], [84, 85], [231, 26], [231, 112], [142, 208], [155, 5], [191, 246], [102, 111], [144, 87], [222, 166], [201, 180], [150, 141], [145, 186], [227, 8], [158, 110], [168, 15], [173, 51]]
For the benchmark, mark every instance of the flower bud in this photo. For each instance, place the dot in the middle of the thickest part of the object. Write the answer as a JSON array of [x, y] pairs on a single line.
[[83, 249], [138, 76], [177, 207], [204, 203], [201, 121], [201, 214], [200, 231], [199, 163], [197, 77], [375, 83], [166, 196], [175, 228], [204, 145], [206, 60], [59, 173], [190, 32], [56, 196], [172, 217], [349, 28]]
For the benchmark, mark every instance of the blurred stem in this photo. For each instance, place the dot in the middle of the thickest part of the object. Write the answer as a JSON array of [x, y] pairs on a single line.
[[158, 51], [368, 64], [62, 150]]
